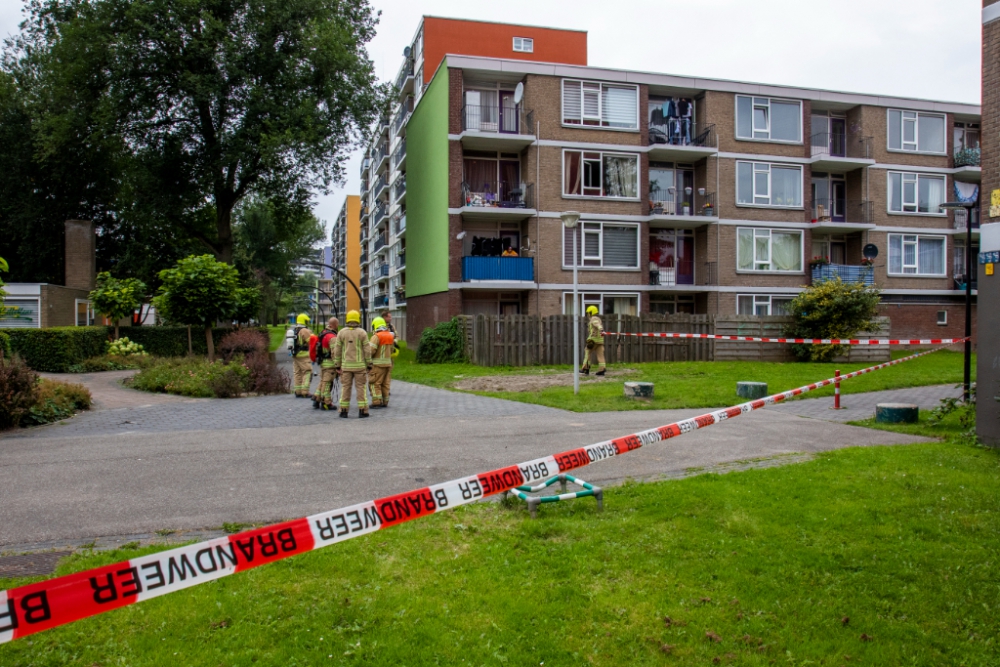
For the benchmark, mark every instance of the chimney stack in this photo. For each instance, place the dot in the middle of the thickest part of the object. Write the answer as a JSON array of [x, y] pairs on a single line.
[[81, 254]]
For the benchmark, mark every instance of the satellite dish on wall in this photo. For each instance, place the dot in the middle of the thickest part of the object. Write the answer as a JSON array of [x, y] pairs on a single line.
[[870, 251], [519, 92], [406, 52]]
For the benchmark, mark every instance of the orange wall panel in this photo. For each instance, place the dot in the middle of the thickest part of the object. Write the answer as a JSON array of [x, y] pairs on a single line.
[[496, 40]]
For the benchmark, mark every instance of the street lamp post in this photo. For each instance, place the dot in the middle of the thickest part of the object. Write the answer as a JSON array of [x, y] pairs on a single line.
[[967, 378], [569, 219]]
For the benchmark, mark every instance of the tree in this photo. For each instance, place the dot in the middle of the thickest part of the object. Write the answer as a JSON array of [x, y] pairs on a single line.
[[199, 291], [215, 100], [116, 298], [248, 300], [831, 309]]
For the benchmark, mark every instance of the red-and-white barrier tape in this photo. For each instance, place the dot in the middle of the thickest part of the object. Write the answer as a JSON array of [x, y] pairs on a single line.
[[801, 341], [47, 604]]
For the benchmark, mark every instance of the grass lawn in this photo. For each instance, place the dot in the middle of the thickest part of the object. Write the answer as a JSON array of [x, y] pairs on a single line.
[[277, 334], [864, 556], [700, 384]]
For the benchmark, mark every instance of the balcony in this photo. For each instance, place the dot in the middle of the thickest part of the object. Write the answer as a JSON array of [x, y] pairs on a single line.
[[498, 268], [681, 140], [399, 155], [400, 296], [686, 210], [502, 126], [837, 152], [379, 213], [380, 156], [379, 185], [847, 273], [842, 215], [960, 218], [399, 222], [401, 115], [401, 261], [498, 200], [404, 80], [382, 271], [379, 242], [381, 300], [364, 280], [967, 165], [399, 189], [960, 283]]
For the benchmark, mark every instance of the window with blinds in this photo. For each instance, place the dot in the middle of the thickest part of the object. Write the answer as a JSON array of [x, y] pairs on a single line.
[[593, 104], [602, 245]]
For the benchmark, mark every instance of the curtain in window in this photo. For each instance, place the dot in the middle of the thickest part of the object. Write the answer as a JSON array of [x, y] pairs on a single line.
[[744, 305], [744, 181], [786, 187], [620, 176], [572, 175], [481, 175], [786, 121], [510, 178], [623, 305], [931, 256], [895, 192], [744, 250], [786, 254], [895, 254], [620, 106], [931, 193], [621, 246]]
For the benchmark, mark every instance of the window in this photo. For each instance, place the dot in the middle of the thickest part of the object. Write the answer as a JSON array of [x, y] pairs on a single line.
[[613, 303], [768, 250], [913, 255], [602, 245], [942, 317], [766, 184], [593, 104], [670, 304], [524, 44], [958, 260], [916, 132], [916, 193], [766, 119], [762, 304], [595, 174], [966, 136], [84, 313], [21, 313]]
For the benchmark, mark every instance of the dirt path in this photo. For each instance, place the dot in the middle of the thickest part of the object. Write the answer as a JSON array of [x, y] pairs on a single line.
[[534, 381], [108, 392]]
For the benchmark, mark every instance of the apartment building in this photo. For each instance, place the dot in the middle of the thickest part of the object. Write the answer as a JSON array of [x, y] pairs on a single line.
[[345, 252], [696, 195]]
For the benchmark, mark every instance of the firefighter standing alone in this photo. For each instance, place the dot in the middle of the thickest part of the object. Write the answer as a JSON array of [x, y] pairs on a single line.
[[353, 357], [595, 343], [301, 364], [382, 344]]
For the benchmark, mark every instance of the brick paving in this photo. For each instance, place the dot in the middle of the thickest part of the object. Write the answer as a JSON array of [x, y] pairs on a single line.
[[856, 407], [30, 565]]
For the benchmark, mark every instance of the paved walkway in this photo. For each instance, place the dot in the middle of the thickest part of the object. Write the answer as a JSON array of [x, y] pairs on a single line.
[[857, 407]]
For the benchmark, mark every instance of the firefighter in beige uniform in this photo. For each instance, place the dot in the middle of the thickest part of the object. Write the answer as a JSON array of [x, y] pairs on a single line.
[[595, 343], [382, 344], [353, 357], [301, 364]]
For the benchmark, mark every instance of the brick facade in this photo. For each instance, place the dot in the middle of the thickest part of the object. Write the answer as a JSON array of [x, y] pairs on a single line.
[[81, 257]]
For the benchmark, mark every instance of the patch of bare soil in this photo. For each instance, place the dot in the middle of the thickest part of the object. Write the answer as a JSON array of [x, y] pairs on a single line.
[[534, 381]]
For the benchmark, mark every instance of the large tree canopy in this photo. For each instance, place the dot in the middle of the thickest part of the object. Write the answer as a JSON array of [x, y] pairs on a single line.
[[212, 100]]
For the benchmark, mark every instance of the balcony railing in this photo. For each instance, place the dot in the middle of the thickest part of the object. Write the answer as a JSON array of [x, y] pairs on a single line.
[[380, 152], [378, 215], [680, 274], [382, 271], [841, 144], [682, 132], [364, 280], [498, 268], [401, 260], [380, 183], [399, 222], [499, 195], [399, 153], [841, 210], [405, 73], [960, 218], [399, 188], [503, 117], [847, 273], [404, 112], [379, 242], [669, 202], [400, 297], [960, 282], [710, 274], [381, 300], [967, 157]]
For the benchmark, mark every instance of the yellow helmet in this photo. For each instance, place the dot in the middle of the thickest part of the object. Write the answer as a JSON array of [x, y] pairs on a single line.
[[378, 323], [591, 310], [353, 316], [302, 319]]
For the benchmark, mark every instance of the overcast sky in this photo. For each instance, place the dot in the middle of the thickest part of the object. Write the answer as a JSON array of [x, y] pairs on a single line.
[[912, 48]]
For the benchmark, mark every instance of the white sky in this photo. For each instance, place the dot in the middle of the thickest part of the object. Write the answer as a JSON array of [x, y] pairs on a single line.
[[911, 48]]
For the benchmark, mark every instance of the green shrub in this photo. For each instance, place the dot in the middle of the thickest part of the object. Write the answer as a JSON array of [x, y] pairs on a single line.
[[831, 309], [442, 344], [191, 377], [110, 363], [4, 345], [55, 349], [171, 341], [56, 400], [123, 347], [18, 391]]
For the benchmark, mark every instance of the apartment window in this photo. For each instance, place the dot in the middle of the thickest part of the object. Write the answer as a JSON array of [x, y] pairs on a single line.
[[763, 304], [766, 184], [614, 303], [958, 259], [916, 255], [593, 104], [774, 250], [916, 132], [602, 245], [596, 174], [916, 193], [524, 44], [767, 119], [84, 313], [670, 304], [966, 136]]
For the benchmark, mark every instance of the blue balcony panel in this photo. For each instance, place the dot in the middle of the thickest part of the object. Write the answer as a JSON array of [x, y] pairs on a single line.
[[498, 268], [847, 273]]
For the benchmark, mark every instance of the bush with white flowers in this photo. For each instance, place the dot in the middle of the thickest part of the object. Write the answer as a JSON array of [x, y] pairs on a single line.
[[123, 347]]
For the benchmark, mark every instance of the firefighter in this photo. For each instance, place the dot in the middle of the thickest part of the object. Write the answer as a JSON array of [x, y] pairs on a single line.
[[352, 356], [301, 364], [595, 343], [382, 345], [324, 357]]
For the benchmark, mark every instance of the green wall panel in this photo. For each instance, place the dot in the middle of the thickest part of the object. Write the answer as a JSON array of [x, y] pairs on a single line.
[[427, 191]]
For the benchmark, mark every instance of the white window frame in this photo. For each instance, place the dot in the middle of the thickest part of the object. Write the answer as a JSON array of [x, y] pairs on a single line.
[[767, 231], [582, 152], [915, 176], [91, 317], [761, 299], [582, 257], [596, 87], [753, 129], [916, 254], [586, 299], [765, 167], [524, 45], [909, 116]]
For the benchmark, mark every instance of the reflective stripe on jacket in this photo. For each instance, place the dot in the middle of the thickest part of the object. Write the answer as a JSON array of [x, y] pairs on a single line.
[[381, 345], [595, 330], [327, 343], [351, 351], [304, 335]]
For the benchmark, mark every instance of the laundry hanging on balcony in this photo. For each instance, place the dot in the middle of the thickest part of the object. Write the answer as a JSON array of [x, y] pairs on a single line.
[[967, 193]]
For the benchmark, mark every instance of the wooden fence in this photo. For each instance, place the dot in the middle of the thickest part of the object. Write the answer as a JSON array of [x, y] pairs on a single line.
[[526, 340]]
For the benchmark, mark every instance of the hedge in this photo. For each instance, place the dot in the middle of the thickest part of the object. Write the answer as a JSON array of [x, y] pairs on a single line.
[[4, 344], [55, 349]]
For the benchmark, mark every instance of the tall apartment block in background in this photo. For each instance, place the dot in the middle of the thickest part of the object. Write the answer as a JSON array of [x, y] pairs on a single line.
[[696, 195], [346, 256]]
